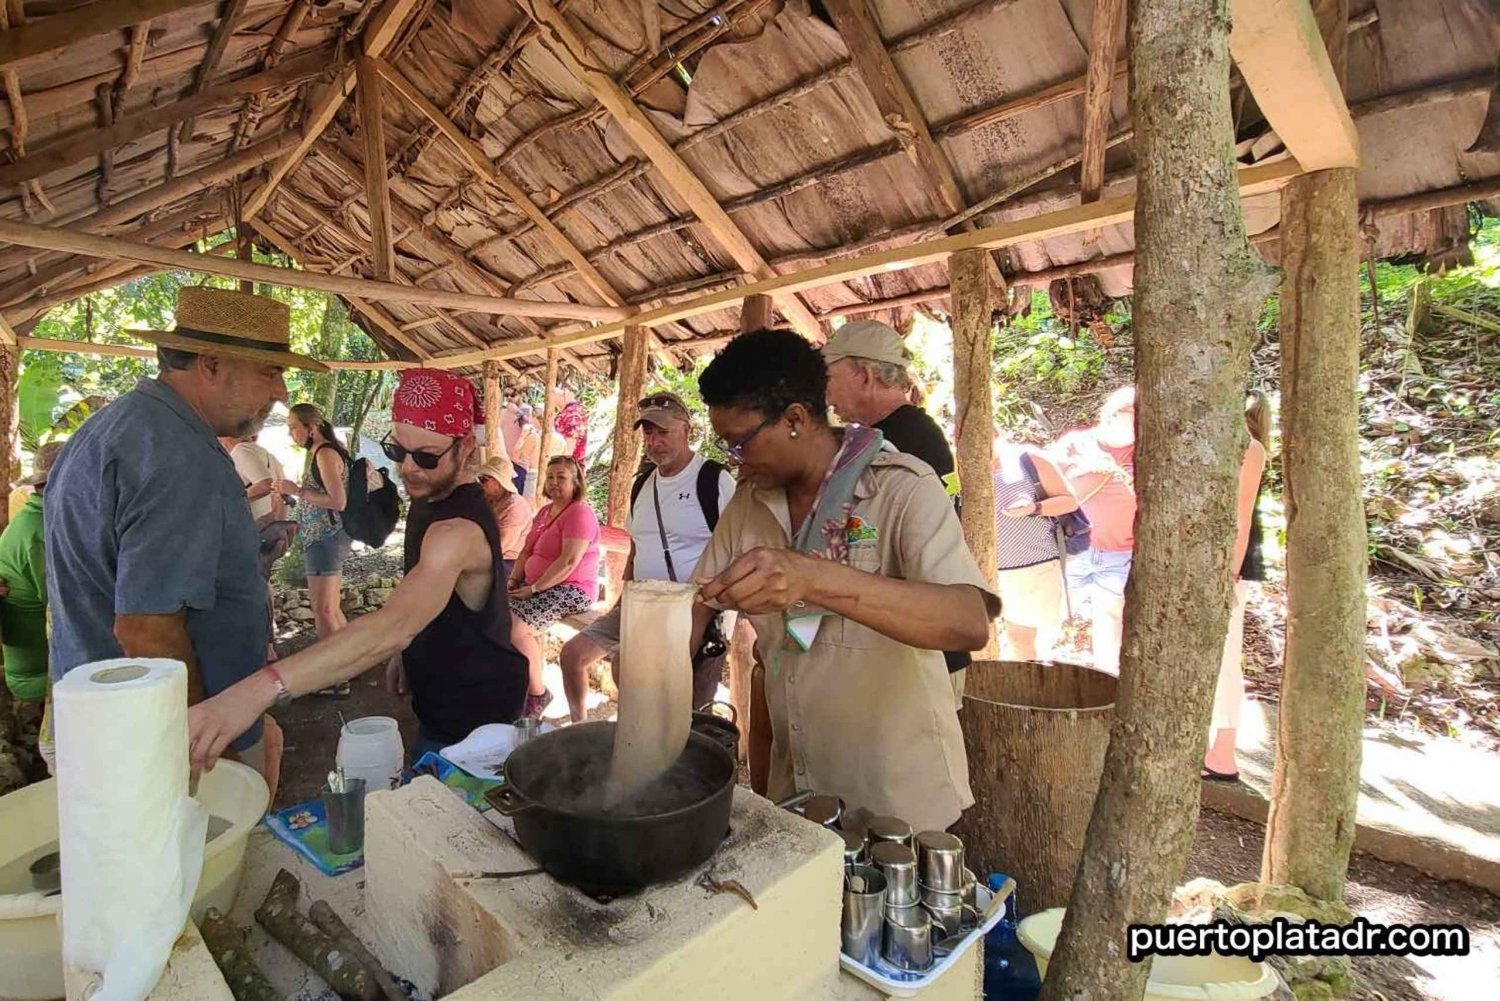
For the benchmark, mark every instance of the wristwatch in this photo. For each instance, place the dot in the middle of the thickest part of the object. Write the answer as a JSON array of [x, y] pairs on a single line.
[[284, 694]]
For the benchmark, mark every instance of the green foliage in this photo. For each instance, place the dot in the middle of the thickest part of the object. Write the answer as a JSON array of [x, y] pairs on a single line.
[[1037, 357], [685, 385]]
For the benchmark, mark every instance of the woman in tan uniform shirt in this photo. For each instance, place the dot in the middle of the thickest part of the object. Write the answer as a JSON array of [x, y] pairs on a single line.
[[851, 564]]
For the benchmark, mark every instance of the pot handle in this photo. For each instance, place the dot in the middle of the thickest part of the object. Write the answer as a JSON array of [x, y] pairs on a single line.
[[734, 715], [506, 800]]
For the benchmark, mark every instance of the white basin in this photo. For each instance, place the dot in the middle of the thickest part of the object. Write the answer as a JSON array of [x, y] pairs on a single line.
[[30, 939]]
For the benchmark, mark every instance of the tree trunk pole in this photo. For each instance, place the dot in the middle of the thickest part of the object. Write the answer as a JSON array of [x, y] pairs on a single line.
[[549, 411], [973, 308], [1315, 782], [494, 442], [626, 450], [10, 370], [756, 313], [1199, 288]]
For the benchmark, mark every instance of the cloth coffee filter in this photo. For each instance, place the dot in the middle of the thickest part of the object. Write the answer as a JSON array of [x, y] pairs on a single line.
[[130, 835]]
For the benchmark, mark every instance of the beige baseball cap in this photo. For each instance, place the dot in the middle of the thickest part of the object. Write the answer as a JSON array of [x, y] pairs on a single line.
[[869, 339]]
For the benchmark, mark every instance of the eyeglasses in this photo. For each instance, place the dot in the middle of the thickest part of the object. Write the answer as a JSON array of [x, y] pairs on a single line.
[[736, 453], [424, 460]]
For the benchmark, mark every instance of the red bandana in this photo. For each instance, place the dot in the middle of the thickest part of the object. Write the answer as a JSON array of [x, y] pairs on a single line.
[[436, 400]]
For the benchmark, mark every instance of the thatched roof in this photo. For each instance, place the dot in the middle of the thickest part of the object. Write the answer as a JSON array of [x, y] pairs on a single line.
[[759, 100]]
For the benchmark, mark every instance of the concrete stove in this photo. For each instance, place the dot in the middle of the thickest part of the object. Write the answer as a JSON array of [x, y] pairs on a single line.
[[438, 916]]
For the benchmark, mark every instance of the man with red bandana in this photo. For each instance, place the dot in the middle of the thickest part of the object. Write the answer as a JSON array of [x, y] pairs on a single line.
[[445, 632]]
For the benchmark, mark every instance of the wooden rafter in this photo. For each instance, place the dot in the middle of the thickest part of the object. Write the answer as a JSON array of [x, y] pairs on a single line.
[[95, 142], [368, 98], [224, 31], [59, 30], [378, 35], [140, 34], [1280, 53], [73, 241], [569, 47], [1260, 179], [1098, 89]]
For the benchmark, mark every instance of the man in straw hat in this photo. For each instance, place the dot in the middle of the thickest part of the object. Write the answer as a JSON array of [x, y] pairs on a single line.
[[445, 631], [151, 549]]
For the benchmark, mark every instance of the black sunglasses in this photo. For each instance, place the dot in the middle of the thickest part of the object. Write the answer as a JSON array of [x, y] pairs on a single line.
[[424, 460]]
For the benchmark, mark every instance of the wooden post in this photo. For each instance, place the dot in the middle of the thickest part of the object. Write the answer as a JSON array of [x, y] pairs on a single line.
[[1200, 287], [244, 244], [627, 440], [10, 363], [756, 312], [973, 308], [377, 192], [1315, 782], [494, 442], [549, 411]]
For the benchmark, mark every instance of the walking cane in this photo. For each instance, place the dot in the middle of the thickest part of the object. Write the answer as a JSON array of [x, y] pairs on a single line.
[[1062, 561]]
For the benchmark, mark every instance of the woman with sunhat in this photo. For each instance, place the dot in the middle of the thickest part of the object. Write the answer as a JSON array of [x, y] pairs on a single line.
[[498, 478]]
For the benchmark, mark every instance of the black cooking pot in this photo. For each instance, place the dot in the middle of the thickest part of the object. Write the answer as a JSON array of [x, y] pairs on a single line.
[[725, 731], [554, 792]]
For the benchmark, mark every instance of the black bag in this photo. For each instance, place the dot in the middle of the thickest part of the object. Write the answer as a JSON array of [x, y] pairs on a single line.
[[370, 516], [1074, 527]]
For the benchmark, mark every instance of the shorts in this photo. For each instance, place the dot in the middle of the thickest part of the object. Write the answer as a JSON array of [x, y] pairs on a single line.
[[1031, 597], [325, 558], [552, 605], [1105, 569], [708, 672], [604, 631]]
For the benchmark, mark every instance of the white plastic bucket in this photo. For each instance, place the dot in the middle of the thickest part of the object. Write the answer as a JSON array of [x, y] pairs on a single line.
[[1172, 978], [370, 748]]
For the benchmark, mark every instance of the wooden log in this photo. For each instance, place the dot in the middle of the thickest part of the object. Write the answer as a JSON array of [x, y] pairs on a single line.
[[227, 943], [377, 191], [10, 360], [1035, 735], [329, 923], [757, 312], [223, 31], [59, 30], [341, 970], [549, 411], [947, 24], [626, 455], [494, 441], [973, 311], [72, 241], [1063, 90], [1103, 39]]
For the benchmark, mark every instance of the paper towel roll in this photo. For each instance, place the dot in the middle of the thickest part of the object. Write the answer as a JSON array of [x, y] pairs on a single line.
[[131, 837]]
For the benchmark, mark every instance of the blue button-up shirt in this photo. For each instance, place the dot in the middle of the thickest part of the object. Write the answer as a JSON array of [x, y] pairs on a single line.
[[147, 516]]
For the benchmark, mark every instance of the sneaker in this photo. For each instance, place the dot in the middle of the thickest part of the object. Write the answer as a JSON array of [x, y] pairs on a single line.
[[535, 704]]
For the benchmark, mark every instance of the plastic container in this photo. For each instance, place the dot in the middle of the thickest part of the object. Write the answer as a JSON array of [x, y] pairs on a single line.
[[370, 748], [30, 939], [1172, 978]]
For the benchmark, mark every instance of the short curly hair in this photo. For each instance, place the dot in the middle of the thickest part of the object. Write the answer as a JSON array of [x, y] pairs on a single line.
[[767, 370]]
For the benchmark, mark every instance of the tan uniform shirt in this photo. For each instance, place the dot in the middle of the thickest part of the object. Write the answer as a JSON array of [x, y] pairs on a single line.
[[859, 715]]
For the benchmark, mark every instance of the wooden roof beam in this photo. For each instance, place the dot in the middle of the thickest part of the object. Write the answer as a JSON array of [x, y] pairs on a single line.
[[369, 100], [1097, 94], [378, 36], [60, 30], [1260, 179], [223, 32], [73, 241], [1280, 53], [559, 35], [94, 142]]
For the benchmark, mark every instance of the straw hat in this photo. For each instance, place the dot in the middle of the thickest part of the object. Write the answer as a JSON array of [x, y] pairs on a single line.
[[500, 469], [223, 322]]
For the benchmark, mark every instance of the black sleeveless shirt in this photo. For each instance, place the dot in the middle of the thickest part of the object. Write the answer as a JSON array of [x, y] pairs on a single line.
[[462, 669]]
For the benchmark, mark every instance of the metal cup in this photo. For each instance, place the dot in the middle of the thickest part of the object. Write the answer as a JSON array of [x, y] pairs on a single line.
[[970, 890], [346, 817], [941, 858], [899, 866], [854, 848], [890, 829], [906, 942], [825, 810], [527, 729], [864, 906]]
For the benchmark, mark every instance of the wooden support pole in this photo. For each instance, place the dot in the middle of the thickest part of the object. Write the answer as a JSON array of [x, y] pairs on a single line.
[[71, 241], [626, 453], [1315, 781], [756, 312], [10, 363], [544, 450], [377, 191], [494, 441], [1108, 14], [972, 325]]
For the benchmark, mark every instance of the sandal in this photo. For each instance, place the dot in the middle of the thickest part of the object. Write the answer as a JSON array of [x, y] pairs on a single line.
[[1209, 775]]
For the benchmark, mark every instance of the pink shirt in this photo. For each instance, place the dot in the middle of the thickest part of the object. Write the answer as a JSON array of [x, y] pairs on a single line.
[[577, 521], [1103, 479]]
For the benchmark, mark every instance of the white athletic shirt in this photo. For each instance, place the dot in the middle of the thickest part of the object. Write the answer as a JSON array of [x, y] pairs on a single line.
[[681, 515]]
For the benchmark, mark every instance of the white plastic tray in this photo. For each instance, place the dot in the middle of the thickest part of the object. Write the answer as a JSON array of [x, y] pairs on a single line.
[[900, 984], [483, 752]]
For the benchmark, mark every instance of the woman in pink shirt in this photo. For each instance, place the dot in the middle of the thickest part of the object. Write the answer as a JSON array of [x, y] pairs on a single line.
[[557, 572]]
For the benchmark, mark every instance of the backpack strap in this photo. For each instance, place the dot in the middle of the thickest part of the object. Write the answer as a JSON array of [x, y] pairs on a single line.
[[639, 485], [708, 491]]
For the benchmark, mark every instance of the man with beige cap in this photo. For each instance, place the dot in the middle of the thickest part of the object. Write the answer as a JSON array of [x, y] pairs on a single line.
[[869, 383], [151, 548]]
